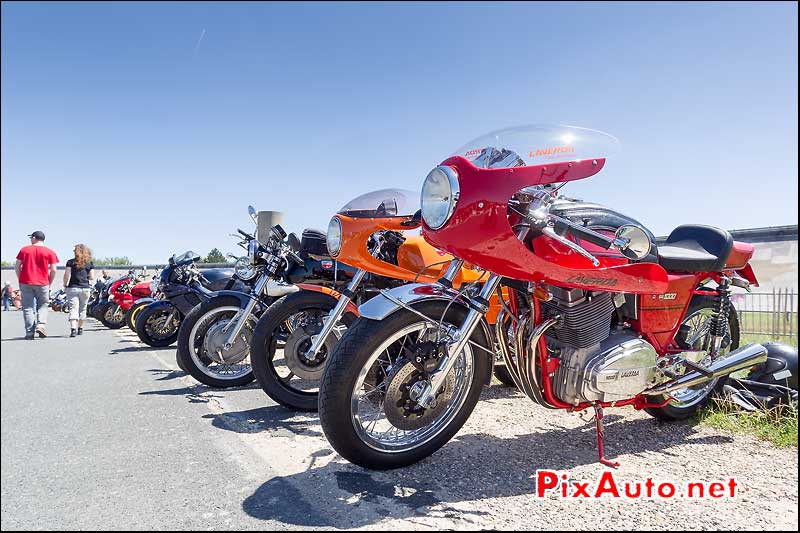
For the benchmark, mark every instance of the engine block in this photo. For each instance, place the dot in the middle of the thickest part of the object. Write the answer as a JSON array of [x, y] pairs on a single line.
[[618, 368]]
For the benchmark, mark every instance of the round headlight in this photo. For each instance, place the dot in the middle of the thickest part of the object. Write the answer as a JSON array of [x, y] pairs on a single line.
[[244, 269], [334, 238], [439, 196]]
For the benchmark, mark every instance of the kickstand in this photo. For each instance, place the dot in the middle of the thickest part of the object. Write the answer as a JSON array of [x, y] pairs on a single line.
[[598, 422]]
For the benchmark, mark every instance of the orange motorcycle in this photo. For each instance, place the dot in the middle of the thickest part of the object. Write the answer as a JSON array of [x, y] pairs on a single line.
[[294, 337]]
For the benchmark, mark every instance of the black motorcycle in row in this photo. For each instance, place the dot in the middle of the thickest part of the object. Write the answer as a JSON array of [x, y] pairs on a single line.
[[215, 337], [180, 287]]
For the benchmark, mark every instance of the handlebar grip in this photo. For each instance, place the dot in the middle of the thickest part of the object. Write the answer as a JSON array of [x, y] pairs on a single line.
[[583, 233], [245, 234]]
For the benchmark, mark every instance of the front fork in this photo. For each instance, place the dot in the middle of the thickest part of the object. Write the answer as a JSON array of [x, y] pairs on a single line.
[[335, 314], [242, 317], [478, 306]]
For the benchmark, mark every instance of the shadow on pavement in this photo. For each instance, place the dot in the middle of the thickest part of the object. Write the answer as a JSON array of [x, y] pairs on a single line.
[[470, 467], [193, 394], [134, 349], [166, 374], [274, 419]]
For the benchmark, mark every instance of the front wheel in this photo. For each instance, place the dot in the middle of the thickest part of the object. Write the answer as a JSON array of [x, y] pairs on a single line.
[[112, 316], [130, 316], [366, 404], [157, 325], [201, 344], [695, 334], [280, 342]]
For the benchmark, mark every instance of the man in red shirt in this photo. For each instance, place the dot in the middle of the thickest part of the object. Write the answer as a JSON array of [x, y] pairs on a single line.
[[36, 270]]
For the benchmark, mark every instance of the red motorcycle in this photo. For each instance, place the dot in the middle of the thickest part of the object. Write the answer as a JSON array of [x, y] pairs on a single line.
[[122, 295], [595, 314]]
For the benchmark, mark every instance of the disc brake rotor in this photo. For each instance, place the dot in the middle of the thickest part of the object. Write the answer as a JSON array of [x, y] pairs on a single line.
[[294, 351], [401, 410], [214, 343]]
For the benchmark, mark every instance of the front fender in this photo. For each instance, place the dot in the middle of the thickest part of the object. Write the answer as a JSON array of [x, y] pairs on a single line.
[[243, 297], [351, 307], [386, 303]]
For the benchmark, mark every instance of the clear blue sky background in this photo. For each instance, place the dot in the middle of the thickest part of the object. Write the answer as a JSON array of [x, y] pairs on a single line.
[[146, 129]]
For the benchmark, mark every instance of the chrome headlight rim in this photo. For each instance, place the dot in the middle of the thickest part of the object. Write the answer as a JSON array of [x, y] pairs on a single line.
[[455, 192], [245, 269], [333, 239]]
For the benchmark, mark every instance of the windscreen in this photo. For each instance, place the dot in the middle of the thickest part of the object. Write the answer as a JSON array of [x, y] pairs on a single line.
[[383, 203], [538, 145]]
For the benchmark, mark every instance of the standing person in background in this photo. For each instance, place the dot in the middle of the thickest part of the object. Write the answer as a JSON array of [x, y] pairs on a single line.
[[78, 277], [8, 295], [36, 270]]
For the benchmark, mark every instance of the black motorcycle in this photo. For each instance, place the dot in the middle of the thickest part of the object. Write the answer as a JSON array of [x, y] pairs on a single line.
[[214, 338], [180, 287]]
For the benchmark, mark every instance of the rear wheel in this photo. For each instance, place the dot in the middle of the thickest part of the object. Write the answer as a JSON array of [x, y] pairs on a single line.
[[201, 340], [503, 376], [366, 404], [697, 336], [280, 341], [112, 316]]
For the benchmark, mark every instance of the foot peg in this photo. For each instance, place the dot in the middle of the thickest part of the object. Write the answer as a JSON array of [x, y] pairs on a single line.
[[598, 422]]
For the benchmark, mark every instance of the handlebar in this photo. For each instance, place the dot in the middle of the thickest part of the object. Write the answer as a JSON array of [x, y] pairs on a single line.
[[245, 234]]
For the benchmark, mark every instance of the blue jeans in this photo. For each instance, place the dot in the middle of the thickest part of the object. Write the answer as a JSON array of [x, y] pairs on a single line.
[[6, 301], [34, 305]]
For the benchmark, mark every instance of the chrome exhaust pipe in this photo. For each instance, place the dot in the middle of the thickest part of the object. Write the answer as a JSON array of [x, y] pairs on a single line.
[[744, 357]]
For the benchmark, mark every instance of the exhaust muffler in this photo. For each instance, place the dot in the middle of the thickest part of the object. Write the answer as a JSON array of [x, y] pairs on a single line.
[[743, 357]]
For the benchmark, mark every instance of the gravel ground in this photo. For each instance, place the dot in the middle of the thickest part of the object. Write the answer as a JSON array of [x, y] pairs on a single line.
[[262, 466]]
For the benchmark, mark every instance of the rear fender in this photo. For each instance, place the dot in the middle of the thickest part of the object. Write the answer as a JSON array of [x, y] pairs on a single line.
[[389, 301], [748, 274]]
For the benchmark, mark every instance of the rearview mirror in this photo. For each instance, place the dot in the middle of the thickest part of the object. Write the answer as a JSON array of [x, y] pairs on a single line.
[[293, 242], [252, 212], [633, 242]]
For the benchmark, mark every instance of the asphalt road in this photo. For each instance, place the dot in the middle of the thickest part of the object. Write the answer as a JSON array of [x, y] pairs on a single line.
[[101, 432]]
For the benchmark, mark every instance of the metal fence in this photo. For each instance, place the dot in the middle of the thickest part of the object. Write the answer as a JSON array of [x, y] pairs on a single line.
[[768, 315]]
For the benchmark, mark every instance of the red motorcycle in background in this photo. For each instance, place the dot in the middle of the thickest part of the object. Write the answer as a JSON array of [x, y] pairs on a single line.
[[122, 295], [595, 314]]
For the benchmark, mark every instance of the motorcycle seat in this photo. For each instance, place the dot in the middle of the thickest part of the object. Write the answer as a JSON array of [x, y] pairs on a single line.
[[695, 248]]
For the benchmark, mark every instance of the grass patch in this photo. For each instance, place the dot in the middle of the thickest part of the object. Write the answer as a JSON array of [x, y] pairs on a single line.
[[778, 425]]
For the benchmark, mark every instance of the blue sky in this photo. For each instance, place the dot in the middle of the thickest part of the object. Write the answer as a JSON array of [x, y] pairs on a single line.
[[145, 129]]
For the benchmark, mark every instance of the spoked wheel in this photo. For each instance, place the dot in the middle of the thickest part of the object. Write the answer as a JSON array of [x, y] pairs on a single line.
[[281, 362], [201, 344], [367, 399], [157, 325], [112, 317], [696, 335]]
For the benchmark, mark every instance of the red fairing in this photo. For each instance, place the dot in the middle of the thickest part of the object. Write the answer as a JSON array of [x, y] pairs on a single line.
[[479, 232], [141, 290]]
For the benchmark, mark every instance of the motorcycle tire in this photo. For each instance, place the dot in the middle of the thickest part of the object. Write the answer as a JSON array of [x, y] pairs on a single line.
[[346, 366], [112, 316], [265, 345], [682, 410], [130, 316], [190, 355], [144, 325]]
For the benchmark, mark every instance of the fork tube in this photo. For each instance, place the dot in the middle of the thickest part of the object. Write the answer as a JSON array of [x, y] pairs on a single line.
[[335, 314], [452, 271], [478, 307], [243, 315]]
